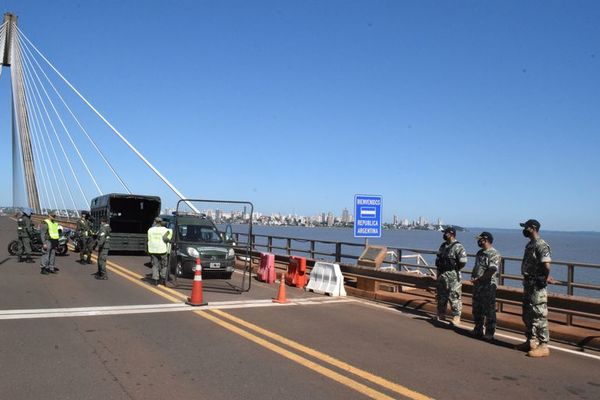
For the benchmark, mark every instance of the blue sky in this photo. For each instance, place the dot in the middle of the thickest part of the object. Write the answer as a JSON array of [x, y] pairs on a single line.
[[481, 113]]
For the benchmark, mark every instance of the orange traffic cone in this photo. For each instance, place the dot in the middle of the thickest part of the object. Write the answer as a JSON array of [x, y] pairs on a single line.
[[196, 299], [281, 293]]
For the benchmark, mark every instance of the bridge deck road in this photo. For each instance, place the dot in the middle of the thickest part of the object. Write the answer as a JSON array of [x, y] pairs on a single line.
[[245, 347]]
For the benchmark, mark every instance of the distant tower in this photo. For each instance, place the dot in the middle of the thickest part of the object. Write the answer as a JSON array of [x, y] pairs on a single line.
[[20, 115], [345, 216], [330, 219]]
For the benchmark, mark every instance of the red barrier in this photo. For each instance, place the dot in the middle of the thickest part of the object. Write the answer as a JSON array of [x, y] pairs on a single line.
[[266, 271], [296, 273]]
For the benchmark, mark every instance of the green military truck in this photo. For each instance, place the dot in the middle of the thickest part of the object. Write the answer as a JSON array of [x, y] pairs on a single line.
[[129, 216]]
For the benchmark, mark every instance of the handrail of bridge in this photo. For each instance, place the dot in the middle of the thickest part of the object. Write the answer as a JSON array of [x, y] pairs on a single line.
[[337, 251], [567, 304]]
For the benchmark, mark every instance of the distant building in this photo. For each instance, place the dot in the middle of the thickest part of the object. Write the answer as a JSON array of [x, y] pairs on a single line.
[[345, 216], [330, 219]]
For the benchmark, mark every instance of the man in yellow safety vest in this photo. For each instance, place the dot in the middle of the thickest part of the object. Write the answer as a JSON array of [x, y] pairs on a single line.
[[158, 237], [50, 235]]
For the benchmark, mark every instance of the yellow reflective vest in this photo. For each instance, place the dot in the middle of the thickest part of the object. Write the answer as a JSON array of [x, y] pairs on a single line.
[[52, 229], [156, 244]]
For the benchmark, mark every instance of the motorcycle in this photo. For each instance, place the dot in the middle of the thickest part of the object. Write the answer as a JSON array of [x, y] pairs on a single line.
[[76, 239], [63, 241], [15, 247]]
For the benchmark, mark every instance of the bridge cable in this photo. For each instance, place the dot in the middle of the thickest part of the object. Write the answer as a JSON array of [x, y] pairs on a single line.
[[41, 168], [36, 147], [165, 180], [41, 141], [66, 129], [21, 122], [49, 140], [75, 118], [61, 147]]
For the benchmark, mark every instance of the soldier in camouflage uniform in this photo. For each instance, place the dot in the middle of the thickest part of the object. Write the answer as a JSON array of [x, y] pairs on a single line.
[[485, 282], [451, 258], [84, 231], [25, 231], [103, 248], [536, 270]]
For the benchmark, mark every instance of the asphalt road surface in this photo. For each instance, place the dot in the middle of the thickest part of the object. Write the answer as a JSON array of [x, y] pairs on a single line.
[[69, 336]]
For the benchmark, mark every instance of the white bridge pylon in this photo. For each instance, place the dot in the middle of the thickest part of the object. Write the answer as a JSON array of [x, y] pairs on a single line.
[[41, 139]]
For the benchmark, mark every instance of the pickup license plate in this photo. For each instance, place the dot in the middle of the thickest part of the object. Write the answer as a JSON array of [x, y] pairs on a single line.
[[214, 265]]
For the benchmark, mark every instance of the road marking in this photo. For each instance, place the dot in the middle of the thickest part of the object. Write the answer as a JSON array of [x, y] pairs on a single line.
[[129, 275], [391, 308], [558, 348], [359, 387], [138, 309], [404, 391]]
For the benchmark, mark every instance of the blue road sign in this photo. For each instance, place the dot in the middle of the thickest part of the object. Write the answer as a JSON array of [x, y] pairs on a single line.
[[367, 215]]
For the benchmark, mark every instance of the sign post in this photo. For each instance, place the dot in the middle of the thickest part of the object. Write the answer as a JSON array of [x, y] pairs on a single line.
[[367, 216]]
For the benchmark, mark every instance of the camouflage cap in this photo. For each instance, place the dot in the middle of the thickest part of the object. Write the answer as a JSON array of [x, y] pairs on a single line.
[[485, 235], [450, 229], [52, 213], [158, 219], [531, 223]]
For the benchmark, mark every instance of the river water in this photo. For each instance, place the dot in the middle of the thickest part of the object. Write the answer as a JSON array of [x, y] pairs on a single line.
[[582, 247]]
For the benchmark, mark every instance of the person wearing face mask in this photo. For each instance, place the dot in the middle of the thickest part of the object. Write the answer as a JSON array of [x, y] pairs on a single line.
[[451, 258], [535, 269], [485, 282]]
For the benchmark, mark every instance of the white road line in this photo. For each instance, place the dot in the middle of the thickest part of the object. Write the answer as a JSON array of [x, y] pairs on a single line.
[[154, 308], [391, 308]]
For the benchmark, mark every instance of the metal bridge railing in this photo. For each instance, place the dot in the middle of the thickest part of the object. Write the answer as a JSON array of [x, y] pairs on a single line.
[[415, 260]]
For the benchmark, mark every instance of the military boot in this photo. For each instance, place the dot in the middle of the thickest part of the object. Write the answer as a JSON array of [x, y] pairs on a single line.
[[539, 351], [440, 317], [477, 331], [527, 345], [456, 320]]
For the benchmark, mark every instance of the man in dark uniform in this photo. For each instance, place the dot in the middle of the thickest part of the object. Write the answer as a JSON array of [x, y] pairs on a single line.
[[84, 231], [103, 248], [25, 232]]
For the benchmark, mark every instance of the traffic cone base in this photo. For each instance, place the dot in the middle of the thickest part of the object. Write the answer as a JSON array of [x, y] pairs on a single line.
[[281, 293]]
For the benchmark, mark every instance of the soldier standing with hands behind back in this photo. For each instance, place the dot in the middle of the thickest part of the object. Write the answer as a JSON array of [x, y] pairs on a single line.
[[485, 282], [536, 271], [25, 232], [103, 248], [451, 258], [84, 231]]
